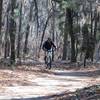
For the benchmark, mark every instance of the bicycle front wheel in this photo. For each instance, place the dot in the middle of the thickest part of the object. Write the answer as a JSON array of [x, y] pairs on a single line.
[[49, 62]]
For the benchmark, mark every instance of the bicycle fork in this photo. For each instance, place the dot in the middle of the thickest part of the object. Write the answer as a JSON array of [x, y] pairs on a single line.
[[48, 60]]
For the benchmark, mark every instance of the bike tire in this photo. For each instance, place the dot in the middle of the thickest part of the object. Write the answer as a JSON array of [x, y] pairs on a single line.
[[45, 59], [49, 63]]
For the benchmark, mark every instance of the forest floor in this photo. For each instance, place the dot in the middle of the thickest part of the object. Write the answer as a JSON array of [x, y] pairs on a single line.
[[37, 83]]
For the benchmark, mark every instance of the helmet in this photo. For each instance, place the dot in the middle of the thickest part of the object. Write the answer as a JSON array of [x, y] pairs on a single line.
[[49, 38]]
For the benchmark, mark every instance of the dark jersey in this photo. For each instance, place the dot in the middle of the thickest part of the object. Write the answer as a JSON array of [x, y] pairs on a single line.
[[48, 45]]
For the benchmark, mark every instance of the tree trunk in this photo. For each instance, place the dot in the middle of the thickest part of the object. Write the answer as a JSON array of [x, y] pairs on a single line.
[[65, 38], [70, 23], [1, 4], [12, 28], [19, 33], [36, 13], [91, 18], [7, 44], [53, 25], [95, 32], [37, 25], [26, 40], [95, 25]]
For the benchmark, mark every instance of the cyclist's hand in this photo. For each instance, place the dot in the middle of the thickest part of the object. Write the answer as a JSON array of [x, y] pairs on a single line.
[[54, 48]]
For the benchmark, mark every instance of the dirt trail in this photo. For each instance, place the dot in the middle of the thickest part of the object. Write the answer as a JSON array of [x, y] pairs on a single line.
[[40, 84]]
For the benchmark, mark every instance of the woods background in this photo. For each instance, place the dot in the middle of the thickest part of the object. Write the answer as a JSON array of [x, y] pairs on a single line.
[[73, 25]]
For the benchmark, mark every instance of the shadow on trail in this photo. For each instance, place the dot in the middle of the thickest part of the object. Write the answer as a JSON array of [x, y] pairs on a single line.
[[79, 73], [51, 97]]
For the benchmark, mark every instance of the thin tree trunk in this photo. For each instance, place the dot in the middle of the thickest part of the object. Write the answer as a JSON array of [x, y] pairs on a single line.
[[37, 25], [1, 4], [53, 25], [36, 13], [19, 33], [95, 25], [7, 44], [91, 18], [26, 40], [95, 32], [65, 40]]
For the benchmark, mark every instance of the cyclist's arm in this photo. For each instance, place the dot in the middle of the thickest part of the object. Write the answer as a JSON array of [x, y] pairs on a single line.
[[53, 45]]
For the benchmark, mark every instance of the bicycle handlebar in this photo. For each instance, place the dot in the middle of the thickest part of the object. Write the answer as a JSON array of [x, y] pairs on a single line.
[[51, 50]]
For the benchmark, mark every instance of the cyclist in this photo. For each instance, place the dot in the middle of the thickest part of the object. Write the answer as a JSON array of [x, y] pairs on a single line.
[[48, 45]]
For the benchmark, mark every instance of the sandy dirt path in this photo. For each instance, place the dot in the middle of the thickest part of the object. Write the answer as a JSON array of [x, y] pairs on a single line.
[[40, 84]]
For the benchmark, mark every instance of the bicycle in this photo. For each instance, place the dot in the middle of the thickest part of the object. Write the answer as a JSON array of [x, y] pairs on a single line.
[[48, 59]]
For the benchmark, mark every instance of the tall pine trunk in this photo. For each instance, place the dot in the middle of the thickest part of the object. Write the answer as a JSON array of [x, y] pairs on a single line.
[[95, 31], [12, 28], [53, 25], [91, 18], [19, 33], [71, 33], [65, 38], [1, 4], [7, 43]]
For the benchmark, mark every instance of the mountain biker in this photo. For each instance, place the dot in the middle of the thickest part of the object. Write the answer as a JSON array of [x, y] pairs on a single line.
[[47, 46]]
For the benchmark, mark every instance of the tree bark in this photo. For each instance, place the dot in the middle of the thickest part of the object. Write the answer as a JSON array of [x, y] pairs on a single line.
[[19, 33], [1, 4], [95, 25], [12, 28], [36, 13], [71, 33], [65, 40], [53, 25], [26, 40], [7, 44]]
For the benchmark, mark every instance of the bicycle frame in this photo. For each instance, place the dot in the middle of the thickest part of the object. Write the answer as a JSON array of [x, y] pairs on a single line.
[[49, 54], [49, 58]]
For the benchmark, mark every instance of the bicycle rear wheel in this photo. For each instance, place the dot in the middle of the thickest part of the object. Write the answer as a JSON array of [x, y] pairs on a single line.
[[45, 59]]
